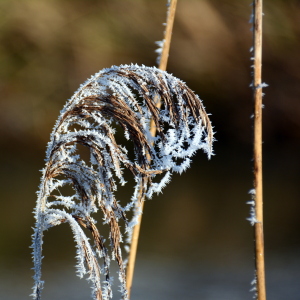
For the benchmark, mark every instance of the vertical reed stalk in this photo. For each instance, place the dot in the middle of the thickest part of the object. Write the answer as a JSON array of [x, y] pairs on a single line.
[[168, 34], [258, 185], [162, 66]]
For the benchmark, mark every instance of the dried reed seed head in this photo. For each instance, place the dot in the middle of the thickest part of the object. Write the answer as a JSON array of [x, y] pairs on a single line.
[[126, 96]]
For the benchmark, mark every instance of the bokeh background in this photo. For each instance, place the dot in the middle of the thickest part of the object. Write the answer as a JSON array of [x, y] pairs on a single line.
[[195, 240]]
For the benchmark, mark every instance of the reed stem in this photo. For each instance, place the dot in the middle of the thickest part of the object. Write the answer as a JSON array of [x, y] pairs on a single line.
[[258, 182], [168, 35], [140, 205]]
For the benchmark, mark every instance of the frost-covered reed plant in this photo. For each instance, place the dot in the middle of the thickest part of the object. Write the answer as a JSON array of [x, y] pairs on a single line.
[[257, 193], [115, 98]]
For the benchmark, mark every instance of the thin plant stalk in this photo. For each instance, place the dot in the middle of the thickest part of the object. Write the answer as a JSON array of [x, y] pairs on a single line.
[[140, 207], [258, 183], [168, 34]]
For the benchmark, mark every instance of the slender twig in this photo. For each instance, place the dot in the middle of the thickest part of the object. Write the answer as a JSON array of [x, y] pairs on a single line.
[[168, 35], [140, 207], [258, 185], [133, 250]]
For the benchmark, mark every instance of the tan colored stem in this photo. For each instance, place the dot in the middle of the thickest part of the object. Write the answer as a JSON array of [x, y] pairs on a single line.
[[133, 250], [168, 35], [258, 183], [140, 204]]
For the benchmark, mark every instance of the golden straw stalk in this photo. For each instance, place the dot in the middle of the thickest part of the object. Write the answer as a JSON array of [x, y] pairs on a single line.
[[162, 66]]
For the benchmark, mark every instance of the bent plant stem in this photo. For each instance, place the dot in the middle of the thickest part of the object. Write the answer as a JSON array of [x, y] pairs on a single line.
[[140, 205], [258, 185]]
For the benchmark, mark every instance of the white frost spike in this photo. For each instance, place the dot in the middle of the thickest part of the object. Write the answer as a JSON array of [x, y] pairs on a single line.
[[159, 50], [252, 192], [252, 219], [118, 98], [253, 288], [262, 85]]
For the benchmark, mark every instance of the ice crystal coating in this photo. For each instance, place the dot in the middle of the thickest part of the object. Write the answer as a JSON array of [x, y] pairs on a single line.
[[252, 219], [118, 98]]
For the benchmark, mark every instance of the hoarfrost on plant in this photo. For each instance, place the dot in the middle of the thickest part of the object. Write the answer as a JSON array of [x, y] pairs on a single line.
[[115, 99]]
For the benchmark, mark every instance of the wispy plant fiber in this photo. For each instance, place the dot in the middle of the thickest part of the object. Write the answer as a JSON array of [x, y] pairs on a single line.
[[118, 97]]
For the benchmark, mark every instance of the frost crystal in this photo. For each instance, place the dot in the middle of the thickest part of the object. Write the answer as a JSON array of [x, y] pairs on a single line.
[[253, 287], [118, 99], [252, 219], [262, 85], [159, 50]]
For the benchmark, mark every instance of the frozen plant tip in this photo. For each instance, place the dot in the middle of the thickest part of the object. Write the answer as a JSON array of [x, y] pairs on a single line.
[[115, 99]]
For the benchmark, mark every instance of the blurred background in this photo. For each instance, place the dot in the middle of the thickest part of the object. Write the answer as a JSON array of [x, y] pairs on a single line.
[[195, 241]]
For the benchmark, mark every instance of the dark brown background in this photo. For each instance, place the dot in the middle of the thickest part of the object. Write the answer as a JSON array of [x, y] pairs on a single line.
[[195, 240]]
